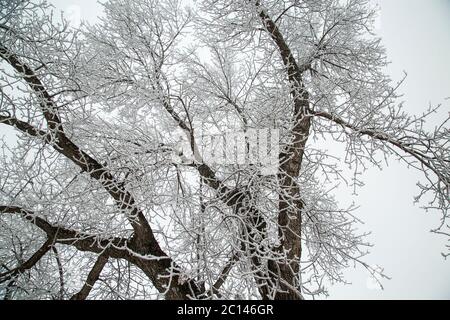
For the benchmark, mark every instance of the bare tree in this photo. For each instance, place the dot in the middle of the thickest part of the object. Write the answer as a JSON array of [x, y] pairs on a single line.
[[98, 199]]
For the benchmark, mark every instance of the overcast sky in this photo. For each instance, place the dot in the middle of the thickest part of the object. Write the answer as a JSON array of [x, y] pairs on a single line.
[[416, 34]]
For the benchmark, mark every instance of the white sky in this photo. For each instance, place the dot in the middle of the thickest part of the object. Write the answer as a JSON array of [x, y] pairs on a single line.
[[416, 34]]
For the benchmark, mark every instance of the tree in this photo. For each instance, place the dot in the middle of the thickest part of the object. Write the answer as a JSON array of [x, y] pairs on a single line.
[[99, 185]]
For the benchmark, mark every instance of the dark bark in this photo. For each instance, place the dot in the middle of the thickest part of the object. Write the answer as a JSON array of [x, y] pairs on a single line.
[[27, 265], [92, 278], [290, 204], [143, 240], [60, 272], [238, 200], [119, 248]]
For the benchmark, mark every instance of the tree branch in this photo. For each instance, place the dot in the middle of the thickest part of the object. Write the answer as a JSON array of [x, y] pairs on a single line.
[[143, 240], [290, 204], [383, 137], [159, 268], [92, 278], [60, 272], [81, 241], [224, 274], [29, 263], [65, 146], [293, 155]]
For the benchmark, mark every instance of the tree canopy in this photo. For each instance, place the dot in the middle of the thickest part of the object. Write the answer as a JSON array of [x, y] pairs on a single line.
[[110, 189]]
